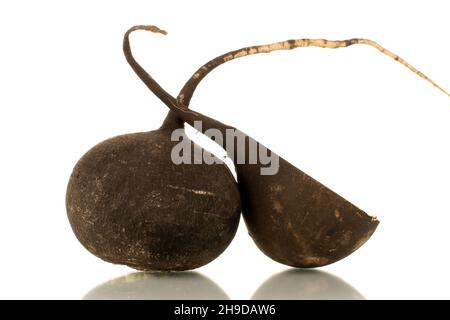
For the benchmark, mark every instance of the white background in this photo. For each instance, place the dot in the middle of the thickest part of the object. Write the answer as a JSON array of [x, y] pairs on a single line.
[[352, 118]]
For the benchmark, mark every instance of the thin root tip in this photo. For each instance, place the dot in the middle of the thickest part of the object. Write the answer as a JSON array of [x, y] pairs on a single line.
[[151, 28], [444, 91], [164, 32], [155, 29]]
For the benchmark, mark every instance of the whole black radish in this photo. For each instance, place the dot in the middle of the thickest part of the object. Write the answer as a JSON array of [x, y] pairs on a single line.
[[129, 203]]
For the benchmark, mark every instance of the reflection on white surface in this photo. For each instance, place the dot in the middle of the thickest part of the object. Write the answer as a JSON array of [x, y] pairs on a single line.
[[158, 286], [295, 284]]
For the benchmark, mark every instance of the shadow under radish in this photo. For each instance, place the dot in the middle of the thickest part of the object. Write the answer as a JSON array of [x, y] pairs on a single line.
[[158, 286], [298, 284]]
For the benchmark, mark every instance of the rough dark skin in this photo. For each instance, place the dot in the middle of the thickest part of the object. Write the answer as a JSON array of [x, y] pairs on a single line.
[[129, 204]]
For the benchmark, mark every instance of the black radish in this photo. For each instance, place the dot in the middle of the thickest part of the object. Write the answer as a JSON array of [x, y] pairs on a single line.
[[129, 203], [292, 218]]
